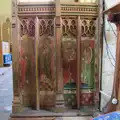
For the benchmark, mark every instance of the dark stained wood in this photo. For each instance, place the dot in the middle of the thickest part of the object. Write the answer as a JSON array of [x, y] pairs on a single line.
[[117, 70]]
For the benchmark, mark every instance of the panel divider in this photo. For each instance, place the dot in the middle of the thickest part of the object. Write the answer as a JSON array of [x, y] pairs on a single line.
[[78, 62], [36, 59]]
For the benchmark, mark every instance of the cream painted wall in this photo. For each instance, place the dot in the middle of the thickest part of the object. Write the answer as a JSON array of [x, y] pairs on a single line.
[[5, 9], [44, 0], [35, 0]]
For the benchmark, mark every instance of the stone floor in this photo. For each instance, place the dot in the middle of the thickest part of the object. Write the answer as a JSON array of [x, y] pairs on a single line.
[[6, 94], [76, 118], [53, 118]]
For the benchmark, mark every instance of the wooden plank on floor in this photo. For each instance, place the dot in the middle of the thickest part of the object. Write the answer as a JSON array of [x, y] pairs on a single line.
[[54, 118], [42, 118]]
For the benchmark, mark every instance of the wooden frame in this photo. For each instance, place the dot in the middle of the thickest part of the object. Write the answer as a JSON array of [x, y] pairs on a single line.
[[73, 11]]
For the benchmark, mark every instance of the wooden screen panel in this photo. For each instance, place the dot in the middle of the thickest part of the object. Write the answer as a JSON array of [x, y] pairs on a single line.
[[69, 60], [46, 62], [87, 53], [87, 72], [27, 61], [87, 62]]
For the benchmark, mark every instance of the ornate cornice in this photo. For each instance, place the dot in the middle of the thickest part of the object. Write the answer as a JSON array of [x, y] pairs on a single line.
[[39, 9], [49, 9], [79, 10]]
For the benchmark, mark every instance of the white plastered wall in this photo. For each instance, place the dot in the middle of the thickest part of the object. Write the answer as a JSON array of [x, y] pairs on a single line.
[[108, 57]]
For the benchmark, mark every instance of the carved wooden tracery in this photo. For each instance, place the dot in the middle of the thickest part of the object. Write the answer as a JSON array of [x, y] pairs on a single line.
[[27, 27], [46, 62], [69, 59], [88, 58], [46, 27], [69, 26], [41, 19], [88, 28], [27, 60], [69, 48], [46, 57]]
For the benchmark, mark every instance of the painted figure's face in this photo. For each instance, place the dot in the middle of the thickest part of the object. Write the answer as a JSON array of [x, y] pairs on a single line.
[[87, 55], [69, 51], [45, 45]]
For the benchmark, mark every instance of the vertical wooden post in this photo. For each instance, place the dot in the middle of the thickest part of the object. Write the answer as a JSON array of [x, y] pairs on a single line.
[[59, 77], [117, 70], [78, 62], [36, 61], [15, 53], [99, 50], [116, 84]]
